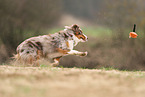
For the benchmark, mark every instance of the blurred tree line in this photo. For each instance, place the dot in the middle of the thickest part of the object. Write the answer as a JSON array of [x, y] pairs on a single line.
[[20, 19], [82, 8]]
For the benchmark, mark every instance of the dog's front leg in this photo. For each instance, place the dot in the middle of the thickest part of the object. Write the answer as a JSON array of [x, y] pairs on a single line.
[[75, 52]]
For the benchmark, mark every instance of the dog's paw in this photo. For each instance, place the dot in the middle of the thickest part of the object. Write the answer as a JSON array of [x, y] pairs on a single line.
[[84, 53], [53, 64]]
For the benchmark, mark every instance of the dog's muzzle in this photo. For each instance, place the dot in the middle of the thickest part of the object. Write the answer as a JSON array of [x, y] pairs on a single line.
[[84, 38]]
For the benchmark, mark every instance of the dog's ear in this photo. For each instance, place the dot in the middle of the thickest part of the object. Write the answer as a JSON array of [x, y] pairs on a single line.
[[75, 27]]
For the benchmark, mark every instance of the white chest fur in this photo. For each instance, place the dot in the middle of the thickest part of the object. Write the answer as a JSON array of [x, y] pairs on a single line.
[[71, 44]]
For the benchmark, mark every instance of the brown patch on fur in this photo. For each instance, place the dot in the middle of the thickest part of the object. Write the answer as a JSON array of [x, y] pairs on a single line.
[[38, 54], [62, 51], [67, 44], [80, 36], [58, 58], [30, 61]]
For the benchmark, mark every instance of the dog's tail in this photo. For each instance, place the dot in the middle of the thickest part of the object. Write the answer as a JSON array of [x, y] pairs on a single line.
[[16, 57]]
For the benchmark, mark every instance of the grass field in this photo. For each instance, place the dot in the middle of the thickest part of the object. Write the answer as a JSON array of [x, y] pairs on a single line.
[[70, 82]]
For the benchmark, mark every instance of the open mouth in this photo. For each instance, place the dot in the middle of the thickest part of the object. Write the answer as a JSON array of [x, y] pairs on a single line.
[[84, 39]]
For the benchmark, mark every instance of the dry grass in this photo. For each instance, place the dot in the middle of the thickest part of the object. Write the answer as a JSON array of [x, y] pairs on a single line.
[[69, 82]]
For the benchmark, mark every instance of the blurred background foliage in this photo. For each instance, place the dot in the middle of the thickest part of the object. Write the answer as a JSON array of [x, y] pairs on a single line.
[[107, 23]]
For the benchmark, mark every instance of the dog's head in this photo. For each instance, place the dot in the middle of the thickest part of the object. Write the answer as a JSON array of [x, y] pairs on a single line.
[[77, 32]]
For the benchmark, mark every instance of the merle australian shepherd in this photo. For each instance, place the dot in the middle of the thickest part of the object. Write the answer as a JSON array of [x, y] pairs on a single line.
[[52, 46]]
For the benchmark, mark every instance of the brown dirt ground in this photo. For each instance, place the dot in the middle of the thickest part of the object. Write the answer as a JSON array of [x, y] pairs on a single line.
[[69, 82]]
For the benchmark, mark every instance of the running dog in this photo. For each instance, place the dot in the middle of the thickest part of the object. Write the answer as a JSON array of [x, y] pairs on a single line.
[[52, 46]]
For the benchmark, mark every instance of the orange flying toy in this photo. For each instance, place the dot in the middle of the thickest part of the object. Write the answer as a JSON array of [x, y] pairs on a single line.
[[133, 34]]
